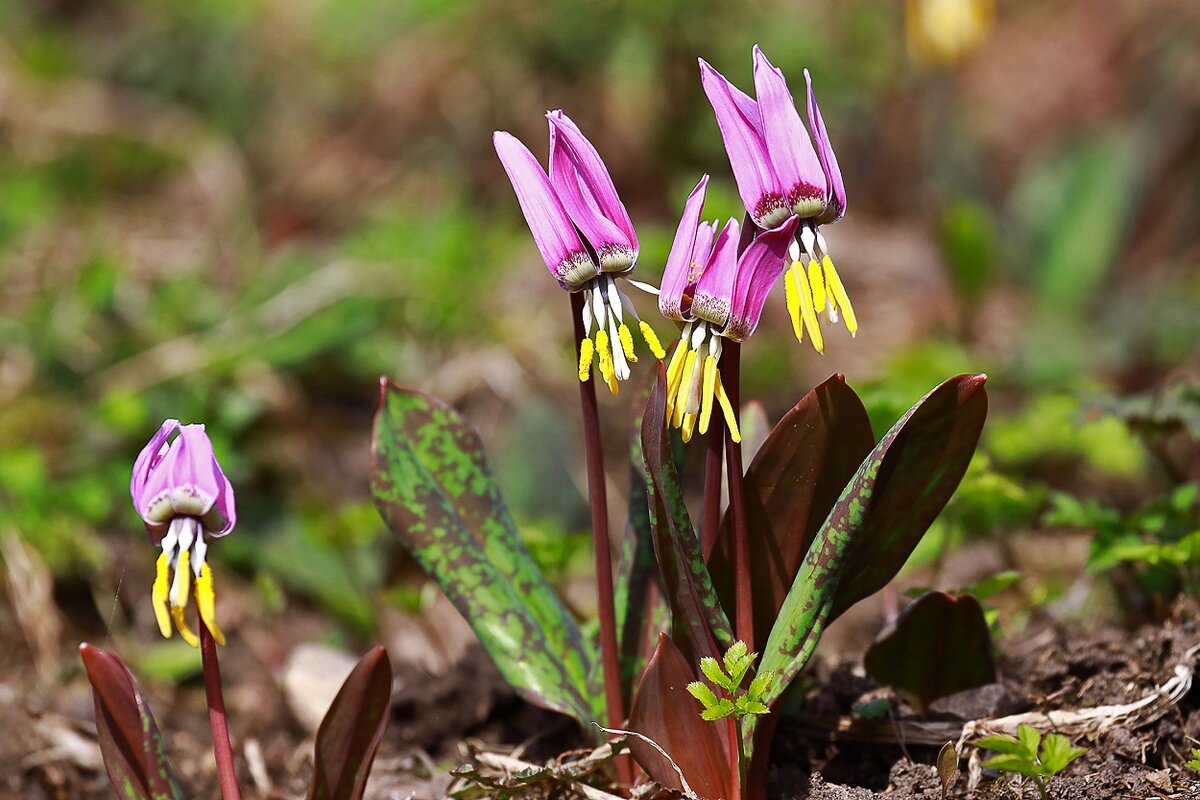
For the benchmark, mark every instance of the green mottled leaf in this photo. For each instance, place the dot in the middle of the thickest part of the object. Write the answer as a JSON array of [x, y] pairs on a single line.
[[350, 733], [938, 645], [663, 711], [133, 750], [699, 623], [792, 483], [880, 516], [434, 488]]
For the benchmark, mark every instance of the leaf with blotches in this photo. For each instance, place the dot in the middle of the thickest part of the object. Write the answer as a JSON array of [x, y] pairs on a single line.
[[350, 733], [433, 486], [133, 750]]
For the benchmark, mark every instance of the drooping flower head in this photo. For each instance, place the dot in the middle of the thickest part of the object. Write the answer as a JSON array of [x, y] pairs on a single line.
[[585, 237], [184, 499], [781, 177], [717, 294]]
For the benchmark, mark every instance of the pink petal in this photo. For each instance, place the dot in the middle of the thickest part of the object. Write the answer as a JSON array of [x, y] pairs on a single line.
[[789, 144], [745, 143], [714, 292], [677, 274], [147, 460], [586, 190], [836, 199], [194, 482], [553, 232], [759, 269]]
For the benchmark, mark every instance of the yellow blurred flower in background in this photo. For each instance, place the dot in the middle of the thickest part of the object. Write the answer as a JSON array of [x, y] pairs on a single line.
[[943, 32]]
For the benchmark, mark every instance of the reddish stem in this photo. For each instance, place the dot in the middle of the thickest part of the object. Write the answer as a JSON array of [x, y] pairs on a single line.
[[710, 526], [730, 379], [598, 500], [222, 749]]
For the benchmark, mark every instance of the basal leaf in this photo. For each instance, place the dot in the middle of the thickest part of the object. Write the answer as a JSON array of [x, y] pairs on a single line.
[[938, 645], [133, 750], [434, 488], [1000, 743], [350, 733], [905, 483], [663, 711], [701, 691], [1009, 763], [880, 516], [699, 623], [1057, 753], [1030, 738], [791, 484]]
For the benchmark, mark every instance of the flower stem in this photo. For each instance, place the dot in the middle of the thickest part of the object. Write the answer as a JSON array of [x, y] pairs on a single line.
[[710, 528], [744, 621], [598, 500], [222, 749]]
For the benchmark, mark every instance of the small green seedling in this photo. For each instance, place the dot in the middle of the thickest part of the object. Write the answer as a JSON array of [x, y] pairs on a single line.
[[1195, 762], [1021, 755], [740, 704]]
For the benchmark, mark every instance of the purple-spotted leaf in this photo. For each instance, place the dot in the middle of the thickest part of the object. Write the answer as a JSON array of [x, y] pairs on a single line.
[[880, 516], [793, 481], [699, 625], [349, 735], [133, 750], [664, 711], [433, 486], [938, 645]]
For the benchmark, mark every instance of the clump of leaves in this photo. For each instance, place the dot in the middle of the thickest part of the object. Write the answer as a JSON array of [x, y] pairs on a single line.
[[729, 679], [1021, 755]]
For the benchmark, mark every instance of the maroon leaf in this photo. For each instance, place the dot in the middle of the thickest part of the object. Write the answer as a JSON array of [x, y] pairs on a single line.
[[133, 750], [699, 625], [939, 645], [350, 733], [917, 466], [793, 482], [665, 712]]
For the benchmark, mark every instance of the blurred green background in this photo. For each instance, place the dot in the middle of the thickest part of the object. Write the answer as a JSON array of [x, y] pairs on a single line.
[[244, 213]]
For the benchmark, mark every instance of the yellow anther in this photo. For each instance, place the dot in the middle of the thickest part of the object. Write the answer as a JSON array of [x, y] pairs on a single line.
[[604, 356], [188, 635], [688, 427], [158, 595], [840, 298], [685, 385], [808, 311], [727, 408], [206, 603], [792, 296], [586, 352], [817, 283], [652, 340], [706, 395], [613, 386], [626, 343], [674, 373]]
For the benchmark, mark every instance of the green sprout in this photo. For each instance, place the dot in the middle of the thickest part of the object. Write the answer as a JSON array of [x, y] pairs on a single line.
[[1021, 754], [732, 701], [1195, 762]]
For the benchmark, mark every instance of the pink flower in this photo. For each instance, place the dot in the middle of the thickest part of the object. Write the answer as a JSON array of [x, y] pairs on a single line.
[[781, 177], [716, 294], [584, 235], [184, 499]]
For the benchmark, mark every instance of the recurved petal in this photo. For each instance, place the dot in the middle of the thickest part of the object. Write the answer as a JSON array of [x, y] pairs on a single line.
[[586, 190], [681, 271], [195, 479], [714, 292], [835, 205], [553, 232], [147, 460], [792, 155], [759, 269], [741, 129]]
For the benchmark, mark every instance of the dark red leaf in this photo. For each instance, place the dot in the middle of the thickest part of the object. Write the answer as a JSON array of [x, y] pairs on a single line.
[[665, 712], [793, 482], [939, 645], [350, 733], [133, 750]]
